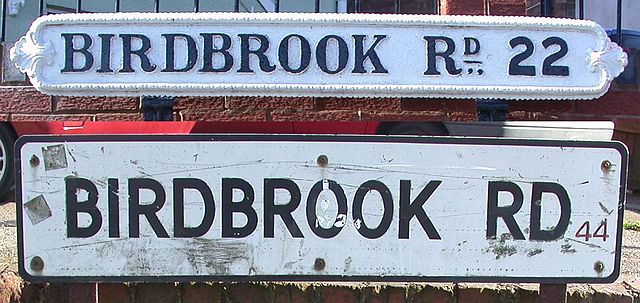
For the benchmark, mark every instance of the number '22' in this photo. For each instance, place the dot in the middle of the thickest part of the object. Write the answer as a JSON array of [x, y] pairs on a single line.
[[515, 67]]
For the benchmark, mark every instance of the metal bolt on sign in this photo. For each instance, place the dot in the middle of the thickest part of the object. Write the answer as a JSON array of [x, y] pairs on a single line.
[[34, 161], [37, 264], [598, 267], [319, 264], [323, 160], [606, 165]]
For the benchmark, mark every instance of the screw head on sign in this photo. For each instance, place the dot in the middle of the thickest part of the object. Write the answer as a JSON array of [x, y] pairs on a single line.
[[606, 165], [34, 161], [319, 264], [323, 160], [37, 264], [598, 267]]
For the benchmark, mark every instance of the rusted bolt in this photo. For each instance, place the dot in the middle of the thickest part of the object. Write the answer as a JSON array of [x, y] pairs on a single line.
[[34, 161], [37, 264], [606, 165], [323, 160], [598, 267], [319, 264]]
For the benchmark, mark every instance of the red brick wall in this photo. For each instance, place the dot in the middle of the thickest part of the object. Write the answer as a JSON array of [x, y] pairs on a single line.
[[299, 293], [483, 7], [26, 104]]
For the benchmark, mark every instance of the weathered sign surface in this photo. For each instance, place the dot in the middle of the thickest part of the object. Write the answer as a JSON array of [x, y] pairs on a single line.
[[349, 55], [171, 208]]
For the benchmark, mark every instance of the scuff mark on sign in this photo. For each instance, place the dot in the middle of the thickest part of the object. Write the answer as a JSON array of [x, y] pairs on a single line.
[[347, 264], [534, 252], [518, 173], [102, 183], [143, 174], [302, 252], [146, 256], [37, 209], [102, 248], [54, 157], [605, 209], [217, 255], [72, 157], [591, 245], [500, 248], [204, 256], [567, 249]]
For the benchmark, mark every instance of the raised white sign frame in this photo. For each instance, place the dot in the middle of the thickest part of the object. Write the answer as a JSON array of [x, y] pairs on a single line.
[[491, 57], [455, 181]]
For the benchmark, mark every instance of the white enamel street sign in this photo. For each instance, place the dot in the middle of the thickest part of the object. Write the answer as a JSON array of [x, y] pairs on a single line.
[[346, 55], [185, 208]]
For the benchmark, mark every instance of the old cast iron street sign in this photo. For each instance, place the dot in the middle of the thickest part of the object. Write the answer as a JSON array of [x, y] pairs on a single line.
[[349, 55], [176, 208]]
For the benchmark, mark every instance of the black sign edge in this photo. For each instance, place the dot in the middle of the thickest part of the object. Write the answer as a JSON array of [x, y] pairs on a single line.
[[21, 141]]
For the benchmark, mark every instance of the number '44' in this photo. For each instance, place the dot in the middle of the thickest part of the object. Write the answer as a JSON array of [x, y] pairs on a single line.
[[584, 231]]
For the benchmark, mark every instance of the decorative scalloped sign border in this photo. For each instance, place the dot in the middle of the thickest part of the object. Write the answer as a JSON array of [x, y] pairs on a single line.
[[345, 55]]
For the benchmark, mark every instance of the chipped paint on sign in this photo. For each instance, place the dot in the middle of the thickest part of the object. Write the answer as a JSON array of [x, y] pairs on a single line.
[[500, 248]]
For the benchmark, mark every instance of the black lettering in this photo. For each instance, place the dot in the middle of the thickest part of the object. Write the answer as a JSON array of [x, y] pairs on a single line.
[[547, 65], [514, 64], [192, 53], [127, 52], [114, 208], [105, 53], [282, 210], [536, 209], [147, 210], [505, 212], [432, 55], [180, 230], [471, 46], [244, 206], [387, 202], [245, 51], [305, 54], [409, 209], [72, 185], [312, 216], [321, 54], [361, 56], [209, 51], [70, 51]]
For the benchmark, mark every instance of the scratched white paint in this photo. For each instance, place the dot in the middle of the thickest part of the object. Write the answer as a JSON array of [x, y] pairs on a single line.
[[457, 210]]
